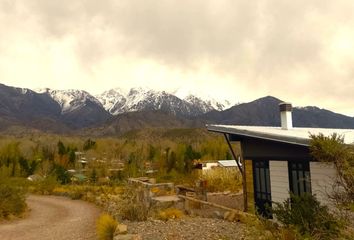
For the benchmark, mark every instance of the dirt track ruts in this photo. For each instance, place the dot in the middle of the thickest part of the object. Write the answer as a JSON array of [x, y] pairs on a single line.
[[54, 218]]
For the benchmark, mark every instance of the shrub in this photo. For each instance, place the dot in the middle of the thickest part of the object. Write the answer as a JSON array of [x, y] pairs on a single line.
[[169, 213], [106, 226], [263, 229], [12, 199], [131, 208], [308, 216], [45, 186]]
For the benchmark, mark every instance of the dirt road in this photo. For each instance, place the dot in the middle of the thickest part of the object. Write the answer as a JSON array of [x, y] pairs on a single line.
[[53, 218]]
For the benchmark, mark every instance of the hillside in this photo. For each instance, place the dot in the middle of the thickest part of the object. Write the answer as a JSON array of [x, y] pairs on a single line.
[[265, 112]]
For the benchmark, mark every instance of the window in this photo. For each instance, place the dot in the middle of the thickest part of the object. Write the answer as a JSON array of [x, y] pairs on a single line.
[[299, 177], [262, 192]]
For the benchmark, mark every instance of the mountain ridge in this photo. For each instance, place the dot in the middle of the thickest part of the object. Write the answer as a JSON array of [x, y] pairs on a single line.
[[85, 114]]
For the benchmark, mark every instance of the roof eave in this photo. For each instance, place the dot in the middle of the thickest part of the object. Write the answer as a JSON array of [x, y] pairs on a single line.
[[258, 135]]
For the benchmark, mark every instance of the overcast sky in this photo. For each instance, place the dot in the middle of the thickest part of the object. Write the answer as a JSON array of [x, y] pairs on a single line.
[[299, 51]]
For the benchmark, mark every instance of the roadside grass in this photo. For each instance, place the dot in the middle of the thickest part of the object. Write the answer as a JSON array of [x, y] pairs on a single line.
[[12, 198], [106, 227]]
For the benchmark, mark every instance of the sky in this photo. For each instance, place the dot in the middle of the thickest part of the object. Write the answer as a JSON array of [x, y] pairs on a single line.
[[299, 51]]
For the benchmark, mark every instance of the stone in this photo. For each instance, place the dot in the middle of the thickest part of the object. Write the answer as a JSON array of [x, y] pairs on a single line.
[[217, 214], [121, 229]]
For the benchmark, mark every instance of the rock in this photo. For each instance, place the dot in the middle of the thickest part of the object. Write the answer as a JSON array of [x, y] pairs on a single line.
[[217, 214], [128, 237], [152, 180], [121, 229]]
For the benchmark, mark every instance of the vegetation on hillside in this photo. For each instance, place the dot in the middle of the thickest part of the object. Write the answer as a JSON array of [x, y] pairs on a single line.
[[170, 152]]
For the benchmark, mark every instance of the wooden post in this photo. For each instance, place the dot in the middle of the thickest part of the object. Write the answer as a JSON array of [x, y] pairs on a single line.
[[244, 184]]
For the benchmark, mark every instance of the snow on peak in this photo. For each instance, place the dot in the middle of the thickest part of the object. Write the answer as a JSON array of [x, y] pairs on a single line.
[[117, 101], [71, 99], [193, 95], [109, 98]]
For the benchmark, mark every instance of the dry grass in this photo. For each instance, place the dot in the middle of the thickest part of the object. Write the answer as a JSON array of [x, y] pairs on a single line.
[[223, 179], [169, 213]]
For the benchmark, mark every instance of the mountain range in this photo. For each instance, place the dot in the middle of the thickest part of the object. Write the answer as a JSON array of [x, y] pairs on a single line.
[[115, 112]]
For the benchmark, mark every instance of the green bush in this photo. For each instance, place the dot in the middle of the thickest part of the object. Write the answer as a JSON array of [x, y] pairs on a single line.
[[44, 186], [12, 199], [308, 216], [106, 226]]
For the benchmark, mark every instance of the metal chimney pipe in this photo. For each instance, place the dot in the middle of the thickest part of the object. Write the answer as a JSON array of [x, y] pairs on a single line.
[[286, 115]]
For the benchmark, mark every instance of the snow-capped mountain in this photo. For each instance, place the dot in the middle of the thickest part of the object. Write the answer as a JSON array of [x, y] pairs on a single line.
[[203, 99], [117, 101], [112, 99], [70, 100], [78, 108]]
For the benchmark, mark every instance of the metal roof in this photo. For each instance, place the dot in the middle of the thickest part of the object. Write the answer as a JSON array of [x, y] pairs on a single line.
[[298, 136], [228, 163]]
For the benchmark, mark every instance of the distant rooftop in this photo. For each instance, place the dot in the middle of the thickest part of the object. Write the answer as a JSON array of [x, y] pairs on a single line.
[[228, 163], [298, 136]]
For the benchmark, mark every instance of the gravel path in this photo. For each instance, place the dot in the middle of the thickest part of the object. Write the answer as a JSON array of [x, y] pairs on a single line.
[[53, 218], [189, 228]]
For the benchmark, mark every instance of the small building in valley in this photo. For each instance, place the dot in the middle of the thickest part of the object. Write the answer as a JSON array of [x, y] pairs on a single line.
[[277, 160]]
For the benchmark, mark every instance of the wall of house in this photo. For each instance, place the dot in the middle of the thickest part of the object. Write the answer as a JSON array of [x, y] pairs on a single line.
[[249, 186], [323, 177], [279, 180]]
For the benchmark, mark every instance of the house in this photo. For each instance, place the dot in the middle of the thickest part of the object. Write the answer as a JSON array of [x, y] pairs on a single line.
[[219, 163], [277, 160]]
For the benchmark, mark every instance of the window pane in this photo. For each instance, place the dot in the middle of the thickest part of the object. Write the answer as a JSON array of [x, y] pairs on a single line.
[[263, 181], [307, 182], [301, 182], [268, 180], [295, 182], [257, 180], [299, 166]]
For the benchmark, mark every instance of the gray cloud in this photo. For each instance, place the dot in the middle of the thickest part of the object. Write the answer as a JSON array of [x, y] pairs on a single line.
[[297, 50]]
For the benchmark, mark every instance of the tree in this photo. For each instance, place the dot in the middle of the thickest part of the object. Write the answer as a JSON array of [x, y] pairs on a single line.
[[332, 149], [61, 148], [10, 156], [171, 161], [89, 144], [28, 166], [189, 156], [93, 176], [151, 153]]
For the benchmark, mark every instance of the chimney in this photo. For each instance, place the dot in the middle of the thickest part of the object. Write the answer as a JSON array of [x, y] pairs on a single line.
[[286, 116]]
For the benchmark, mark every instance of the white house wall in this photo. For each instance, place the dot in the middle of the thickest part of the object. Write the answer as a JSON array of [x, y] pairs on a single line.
[[279, 180], [323, 177]]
